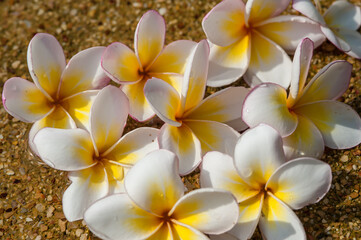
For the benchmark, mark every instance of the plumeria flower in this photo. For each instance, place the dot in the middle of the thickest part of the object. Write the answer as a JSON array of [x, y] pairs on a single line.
[[194, 126], [60, 96], [96, 161], [339, 24], [151, 59], [252, 40], [265, 185], [309, 117], [155, 206]]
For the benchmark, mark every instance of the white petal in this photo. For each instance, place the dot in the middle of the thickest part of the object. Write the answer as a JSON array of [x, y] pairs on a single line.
[[255, 166], [333, 37], [87, 186], [342, 14], [258, 10], [65, 149], [207, 210], [108, 116], [267, 104], [309, 10], [117, 217], [153, 183], [353, 39], [301, 182]]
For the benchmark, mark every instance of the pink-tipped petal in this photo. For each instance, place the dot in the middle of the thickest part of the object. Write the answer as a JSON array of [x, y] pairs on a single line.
[[183, 142], [307, 8], [267, 104], [108, 116], [46, 63], [23, 100], [149, 38], [225, 23], [342, 14], [260, 10]]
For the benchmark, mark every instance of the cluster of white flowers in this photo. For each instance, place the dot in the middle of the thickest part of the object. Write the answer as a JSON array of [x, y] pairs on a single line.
[[129, 186]]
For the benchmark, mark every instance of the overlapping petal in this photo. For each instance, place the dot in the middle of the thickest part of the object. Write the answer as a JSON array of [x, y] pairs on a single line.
[[309, 10], [227, 18], [207, 210], [128, 220], [164, 100], [83, 72], [293, 184], [214, 136], [23, 100], [278, 221], [218, 171], [87, 186], [288, 30], [334, 38], [258, 10], [269, 62], [149, 38], [339, 124], [65, 149], [342, 14], [181, 231], [153, 183], [255, 166], [352, 38], [108, 116], [184, 143], [266, 103]]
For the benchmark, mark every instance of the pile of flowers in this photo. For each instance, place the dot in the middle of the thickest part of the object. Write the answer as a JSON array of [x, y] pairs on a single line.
[[129, 186]]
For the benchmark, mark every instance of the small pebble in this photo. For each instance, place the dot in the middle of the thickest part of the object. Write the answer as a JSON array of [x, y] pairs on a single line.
[[15, 64], [40, 207], [29, 219], [344, 158]]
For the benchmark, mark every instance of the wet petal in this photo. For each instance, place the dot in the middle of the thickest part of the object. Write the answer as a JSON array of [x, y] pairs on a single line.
[[269, 62], [266, 103], [173, 58], [46, 62], [287, 31], [207, 210], [301, 182], [214, 136], [218, 171], [258, 10], [225, 23], [83, 72], [121, 64], [305, 141], [134, 145], [227, 64], [222, 106], [87, 186], [106, 215], [254, 166], [342, 14], [78, 106], [339, 124], [108, 116], [307, 8], [279, 222], [149, 37], [328, 84], [23, 100], [140, 109], [153, 183], [164, 100], [65, 149], [182, 141]]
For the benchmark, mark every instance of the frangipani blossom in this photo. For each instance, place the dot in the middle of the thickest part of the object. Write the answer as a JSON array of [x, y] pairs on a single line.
[[155, 207], [194, 126], [309, 117], [265, 185], [60, 96], [252, 40], [151, 59], [339, 24], [96, 161]]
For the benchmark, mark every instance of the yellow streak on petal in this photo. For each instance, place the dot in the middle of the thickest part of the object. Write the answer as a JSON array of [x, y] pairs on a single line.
[[276, 31], [249, 209], [49, 79], [56, 119], [183, 136], [188, 213], [175, 80], [319, 115], [168, 62], [238, 187], [96, 176], [163, 233], [181, 233], [35, 102], [261, 10], [260, 50], [148, 50], [73, 83], [162, 197], [123, 154], [235, 25], [114, 171], [208, 138], [127, 68], [273, 212]]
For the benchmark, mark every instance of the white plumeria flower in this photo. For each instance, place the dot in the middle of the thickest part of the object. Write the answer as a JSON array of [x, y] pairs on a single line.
[[339, 24], [193, 125], [60, 96], [265, 185], [151, 59], [252, 40], [155, 207], [309, 117], [96, 162]]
